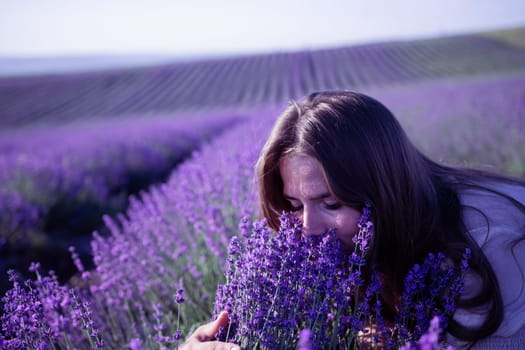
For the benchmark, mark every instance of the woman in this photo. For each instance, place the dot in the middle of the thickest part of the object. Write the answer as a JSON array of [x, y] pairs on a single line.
[[335, 151]]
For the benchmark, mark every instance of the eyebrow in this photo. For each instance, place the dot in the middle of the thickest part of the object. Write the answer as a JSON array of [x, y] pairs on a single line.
[[320, 196]]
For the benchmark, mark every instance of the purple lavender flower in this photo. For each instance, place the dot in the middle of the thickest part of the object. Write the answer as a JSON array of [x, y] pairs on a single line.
[[177, 335], [304, 342], [44, 312], [179, 296], [279, 283], [135, 344], [431, 340], [430, 288]]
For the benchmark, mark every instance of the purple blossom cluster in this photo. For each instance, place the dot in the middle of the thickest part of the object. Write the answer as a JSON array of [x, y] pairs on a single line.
[[42, 312], [278, 284], [283, 289], [430, 290], [431, 340]]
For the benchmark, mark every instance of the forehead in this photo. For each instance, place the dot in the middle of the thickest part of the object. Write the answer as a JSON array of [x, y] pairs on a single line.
[[302, 176], [300, 164]]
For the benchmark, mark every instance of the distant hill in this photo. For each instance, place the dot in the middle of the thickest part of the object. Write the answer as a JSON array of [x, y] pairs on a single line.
[[26, 66], [513, 36], [234, 82], [50, 65]]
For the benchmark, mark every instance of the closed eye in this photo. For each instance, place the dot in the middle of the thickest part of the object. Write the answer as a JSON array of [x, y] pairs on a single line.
[[295, 208], [333, 206]]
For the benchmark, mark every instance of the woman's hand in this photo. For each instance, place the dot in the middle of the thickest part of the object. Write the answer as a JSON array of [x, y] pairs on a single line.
[[366, 339], [204, 337]]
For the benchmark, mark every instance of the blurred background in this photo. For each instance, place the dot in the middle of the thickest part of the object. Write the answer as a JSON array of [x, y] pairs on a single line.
[[99, 100], [62, 36]]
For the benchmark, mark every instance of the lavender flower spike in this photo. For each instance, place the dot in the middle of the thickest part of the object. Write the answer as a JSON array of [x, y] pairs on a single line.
[[304, 340]]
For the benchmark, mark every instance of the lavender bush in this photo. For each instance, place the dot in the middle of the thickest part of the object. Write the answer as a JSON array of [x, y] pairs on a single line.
[[43, 313], [278, 284], [53, 194], [91, 163], [172, 237]]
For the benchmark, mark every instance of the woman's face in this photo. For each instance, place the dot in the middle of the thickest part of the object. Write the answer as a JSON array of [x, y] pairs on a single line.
[[319, 210]]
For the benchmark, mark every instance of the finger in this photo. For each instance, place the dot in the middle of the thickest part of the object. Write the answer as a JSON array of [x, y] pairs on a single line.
[[216, 345], [208, 331], [210, 345]]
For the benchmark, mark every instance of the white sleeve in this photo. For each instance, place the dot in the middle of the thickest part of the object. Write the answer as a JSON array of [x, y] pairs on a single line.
[[513, 342], [508, 262], [498, 233]]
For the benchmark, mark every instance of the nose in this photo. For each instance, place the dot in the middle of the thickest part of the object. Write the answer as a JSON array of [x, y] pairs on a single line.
[[312, 225]]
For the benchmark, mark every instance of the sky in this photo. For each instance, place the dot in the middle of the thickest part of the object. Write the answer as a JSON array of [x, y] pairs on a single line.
[[30, 28]]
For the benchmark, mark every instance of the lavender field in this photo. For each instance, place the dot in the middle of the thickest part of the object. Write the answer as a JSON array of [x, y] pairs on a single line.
[[58, 182], [183, 139], [247, 81]]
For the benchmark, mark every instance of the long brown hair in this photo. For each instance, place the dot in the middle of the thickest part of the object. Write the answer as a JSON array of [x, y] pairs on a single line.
[[367, 157]]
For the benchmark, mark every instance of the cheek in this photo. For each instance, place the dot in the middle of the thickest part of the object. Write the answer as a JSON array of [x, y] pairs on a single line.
[[346, 223]]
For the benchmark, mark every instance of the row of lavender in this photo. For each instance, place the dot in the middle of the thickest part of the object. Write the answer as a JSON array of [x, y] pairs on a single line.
[[171, 237], [479, 121], [174, 236], [250, 80], [56, 183]]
